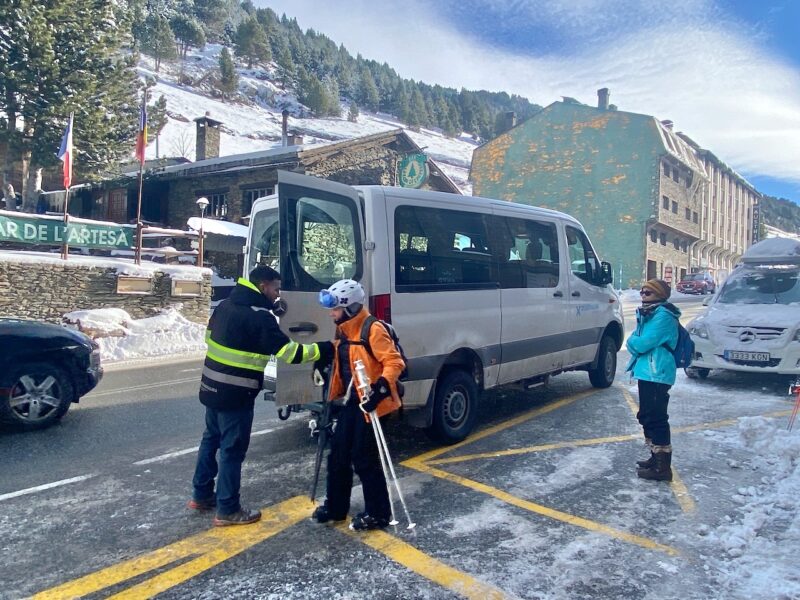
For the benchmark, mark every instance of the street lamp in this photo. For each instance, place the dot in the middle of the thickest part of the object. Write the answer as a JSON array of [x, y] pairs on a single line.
[[202, 203]]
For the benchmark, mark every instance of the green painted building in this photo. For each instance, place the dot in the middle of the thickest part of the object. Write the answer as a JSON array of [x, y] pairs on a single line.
[[634, 184]]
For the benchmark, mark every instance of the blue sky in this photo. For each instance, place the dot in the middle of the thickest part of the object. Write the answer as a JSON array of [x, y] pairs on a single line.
[[725, 71]]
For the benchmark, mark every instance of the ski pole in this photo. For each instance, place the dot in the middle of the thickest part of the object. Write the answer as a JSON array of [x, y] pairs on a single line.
[[383, 448]]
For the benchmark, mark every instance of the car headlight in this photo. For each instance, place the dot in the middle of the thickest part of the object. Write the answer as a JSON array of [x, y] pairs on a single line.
[[698, 329]]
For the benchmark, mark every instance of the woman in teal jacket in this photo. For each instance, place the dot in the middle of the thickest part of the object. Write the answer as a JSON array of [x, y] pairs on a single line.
[[653, 365]]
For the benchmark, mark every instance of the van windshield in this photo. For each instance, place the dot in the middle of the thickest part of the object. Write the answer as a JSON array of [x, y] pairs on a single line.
[[762, 286]]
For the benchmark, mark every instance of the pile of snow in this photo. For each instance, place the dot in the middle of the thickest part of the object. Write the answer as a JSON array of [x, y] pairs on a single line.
[[218, 227], [122, 337], [754, 550]]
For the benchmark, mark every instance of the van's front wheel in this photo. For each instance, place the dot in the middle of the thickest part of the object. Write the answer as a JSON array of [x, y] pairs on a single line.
[[602, 376], [455, 407]]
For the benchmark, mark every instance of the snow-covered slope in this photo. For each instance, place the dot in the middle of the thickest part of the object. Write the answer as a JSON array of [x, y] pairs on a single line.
[[252, 122]]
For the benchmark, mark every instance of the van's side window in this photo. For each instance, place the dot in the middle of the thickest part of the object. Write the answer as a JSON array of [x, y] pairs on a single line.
[[322, 243], [584, 261], [440, 249], [527, 252]]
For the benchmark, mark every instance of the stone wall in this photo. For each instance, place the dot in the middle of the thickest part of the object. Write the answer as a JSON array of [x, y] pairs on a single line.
[[47, 291]]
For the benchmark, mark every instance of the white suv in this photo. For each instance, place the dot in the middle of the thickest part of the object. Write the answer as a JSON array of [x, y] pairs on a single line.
[[753, 323]]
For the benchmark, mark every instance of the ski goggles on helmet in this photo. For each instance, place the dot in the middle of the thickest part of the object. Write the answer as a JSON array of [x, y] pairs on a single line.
[[328, 300]]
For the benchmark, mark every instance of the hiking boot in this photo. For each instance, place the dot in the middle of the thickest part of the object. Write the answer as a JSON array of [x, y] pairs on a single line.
[[243, 516], [364, 522], [203, 505], [662, 465], [323, 514]]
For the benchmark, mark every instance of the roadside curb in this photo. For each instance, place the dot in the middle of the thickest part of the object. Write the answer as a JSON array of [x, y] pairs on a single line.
[[167, 359]]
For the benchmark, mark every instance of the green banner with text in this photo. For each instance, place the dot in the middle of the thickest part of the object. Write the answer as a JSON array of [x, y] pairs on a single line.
[[33, 230]]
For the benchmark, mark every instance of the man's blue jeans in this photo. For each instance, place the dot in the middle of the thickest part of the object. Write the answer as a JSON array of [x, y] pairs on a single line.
[[229, 432]]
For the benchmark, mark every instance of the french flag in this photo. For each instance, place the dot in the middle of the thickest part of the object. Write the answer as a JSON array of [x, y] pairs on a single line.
[[65, 153]]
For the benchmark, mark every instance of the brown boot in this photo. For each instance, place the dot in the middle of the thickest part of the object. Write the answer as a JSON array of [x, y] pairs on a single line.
[[648, 462], [662, 469]]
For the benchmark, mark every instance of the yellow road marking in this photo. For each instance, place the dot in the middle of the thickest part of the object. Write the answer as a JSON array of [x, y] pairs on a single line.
[[426, 456], [210, 548], [530, 449], [427, 566], [545, 510]]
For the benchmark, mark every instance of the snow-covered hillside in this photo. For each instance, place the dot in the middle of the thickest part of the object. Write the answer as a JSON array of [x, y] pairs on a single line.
[[253, 121]]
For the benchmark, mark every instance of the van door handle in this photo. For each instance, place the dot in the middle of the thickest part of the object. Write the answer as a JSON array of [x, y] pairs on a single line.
[[575, 294], [304, 328], [558, 294]]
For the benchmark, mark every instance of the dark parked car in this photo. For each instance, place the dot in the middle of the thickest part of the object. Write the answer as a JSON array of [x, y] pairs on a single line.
[[697, 283], [43, 369]]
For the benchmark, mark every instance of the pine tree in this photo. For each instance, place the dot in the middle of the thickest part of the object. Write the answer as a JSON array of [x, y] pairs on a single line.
[[417, 114], [158, 40], [157, 119], [251, 42], [46, 72], [369, 91], [352, 114], [229, 78], [188, 32], [212, 14]]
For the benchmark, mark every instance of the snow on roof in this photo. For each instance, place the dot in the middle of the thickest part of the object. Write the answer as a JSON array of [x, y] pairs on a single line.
[[775, 250], [218, 227], [121, 265]]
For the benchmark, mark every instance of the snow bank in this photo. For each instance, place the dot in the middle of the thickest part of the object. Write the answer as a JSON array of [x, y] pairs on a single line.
[[122, 337]]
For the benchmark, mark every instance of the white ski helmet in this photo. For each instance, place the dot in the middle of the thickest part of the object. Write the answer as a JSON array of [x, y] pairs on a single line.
[[343, 294]]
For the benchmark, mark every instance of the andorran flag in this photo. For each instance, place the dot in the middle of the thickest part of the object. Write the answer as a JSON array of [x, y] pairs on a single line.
[[141, 137], [65, 153]]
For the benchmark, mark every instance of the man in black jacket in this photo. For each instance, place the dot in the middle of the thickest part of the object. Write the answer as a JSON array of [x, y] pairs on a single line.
[[242, 335]]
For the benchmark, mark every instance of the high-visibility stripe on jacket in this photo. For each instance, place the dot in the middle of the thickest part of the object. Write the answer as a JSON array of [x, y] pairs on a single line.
[[242, 336]]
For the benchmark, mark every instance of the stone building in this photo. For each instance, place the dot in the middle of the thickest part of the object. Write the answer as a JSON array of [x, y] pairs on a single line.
[[643, 192], [231, 183]]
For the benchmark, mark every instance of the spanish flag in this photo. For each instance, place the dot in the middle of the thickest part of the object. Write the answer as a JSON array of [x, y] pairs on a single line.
[[141, 137]]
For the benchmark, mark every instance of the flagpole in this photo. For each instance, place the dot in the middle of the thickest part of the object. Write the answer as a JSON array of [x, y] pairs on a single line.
[[65, 247], [65, 154], [139, 218], [141, 146]]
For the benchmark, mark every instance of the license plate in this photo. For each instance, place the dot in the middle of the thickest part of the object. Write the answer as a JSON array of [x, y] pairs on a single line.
[[739, 355]]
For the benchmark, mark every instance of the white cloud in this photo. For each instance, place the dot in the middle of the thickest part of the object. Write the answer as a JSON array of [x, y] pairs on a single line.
[[684, 62]]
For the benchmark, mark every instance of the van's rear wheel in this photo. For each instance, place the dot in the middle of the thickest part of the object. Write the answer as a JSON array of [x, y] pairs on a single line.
[[455, 407], [602, 376]]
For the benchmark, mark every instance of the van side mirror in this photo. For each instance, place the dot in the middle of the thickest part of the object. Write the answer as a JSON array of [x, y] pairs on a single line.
[[707, 301], [606, 275]]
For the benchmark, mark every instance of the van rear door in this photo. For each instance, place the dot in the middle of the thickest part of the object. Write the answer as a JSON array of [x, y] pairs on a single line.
[[320, 243]]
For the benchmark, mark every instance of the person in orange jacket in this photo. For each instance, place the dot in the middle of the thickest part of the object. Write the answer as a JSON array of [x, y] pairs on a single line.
[[353, 445]]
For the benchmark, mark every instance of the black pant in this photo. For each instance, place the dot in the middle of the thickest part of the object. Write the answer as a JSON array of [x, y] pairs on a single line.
[[353, 446], [652, 415]]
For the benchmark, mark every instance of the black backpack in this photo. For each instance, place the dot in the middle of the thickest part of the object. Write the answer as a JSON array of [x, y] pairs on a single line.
[[365, 327]]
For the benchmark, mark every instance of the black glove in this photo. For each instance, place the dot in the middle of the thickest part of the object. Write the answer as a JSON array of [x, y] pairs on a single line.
[[325, 356], [380, 390]]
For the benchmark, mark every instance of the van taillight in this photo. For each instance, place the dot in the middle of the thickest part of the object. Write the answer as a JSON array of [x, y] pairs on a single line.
[[381, 307]]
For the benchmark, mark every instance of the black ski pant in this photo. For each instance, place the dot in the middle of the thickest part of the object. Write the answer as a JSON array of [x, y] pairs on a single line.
[[353, 447], [652, 415]]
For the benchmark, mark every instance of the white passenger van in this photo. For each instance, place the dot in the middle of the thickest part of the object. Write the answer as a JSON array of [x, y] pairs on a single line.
[[481, 292]]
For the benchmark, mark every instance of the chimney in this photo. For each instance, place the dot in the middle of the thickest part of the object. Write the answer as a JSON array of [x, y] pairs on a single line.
[[667, 123], [285, 128], [208, 133], [509, 120], [602, 98]]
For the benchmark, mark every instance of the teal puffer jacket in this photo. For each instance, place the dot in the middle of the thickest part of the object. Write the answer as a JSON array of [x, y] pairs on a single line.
[[651, 360]]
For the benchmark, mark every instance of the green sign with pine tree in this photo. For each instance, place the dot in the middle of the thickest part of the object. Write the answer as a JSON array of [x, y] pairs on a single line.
[[412, 171]]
